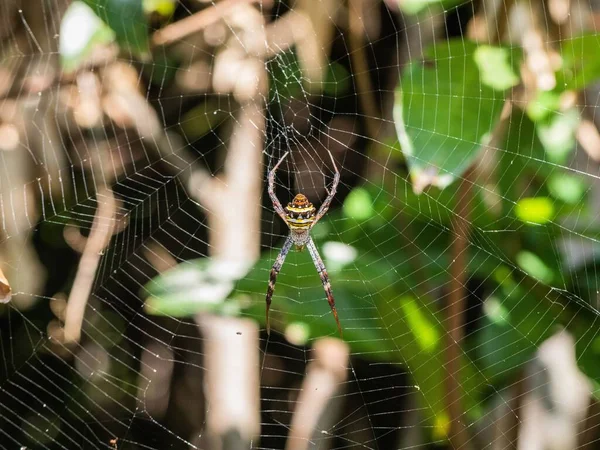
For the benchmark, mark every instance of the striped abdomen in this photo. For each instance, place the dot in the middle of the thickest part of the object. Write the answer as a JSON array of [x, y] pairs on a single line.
[[300, 213]]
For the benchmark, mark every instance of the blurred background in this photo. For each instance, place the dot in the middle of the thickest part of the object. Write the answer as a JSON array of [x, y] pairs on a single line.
[[137, 234]]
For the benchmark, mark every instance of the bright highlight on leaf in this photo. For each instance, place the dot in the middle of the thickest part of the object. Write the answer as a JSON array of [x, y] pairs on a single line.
[[496, 311], [536, 210], [495, 67], [359, 205], [128, 21], [424, 330], [81, 30], [534, 266], [297, 333], [557, 135], [196, 286], [568, 188]]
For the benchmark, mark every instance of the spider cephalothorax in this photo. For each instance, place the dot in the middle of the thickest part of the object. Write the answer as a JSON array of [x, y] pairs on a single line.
[[300, 216]]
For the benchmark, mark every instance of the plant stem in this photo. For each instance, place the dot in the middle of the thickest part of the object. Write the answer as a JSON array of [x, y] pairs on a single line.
[[461, 226]]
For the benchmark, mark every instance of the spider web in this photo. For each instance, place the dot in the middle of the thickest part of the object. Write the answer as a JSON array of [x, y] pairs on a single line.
[[125, 172]]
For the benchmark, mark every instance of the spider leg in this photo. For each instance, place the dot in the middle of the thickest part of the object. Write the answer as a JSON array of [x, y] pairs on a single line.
[[273, 276], [330, 193], [312, 248], [276, 204]]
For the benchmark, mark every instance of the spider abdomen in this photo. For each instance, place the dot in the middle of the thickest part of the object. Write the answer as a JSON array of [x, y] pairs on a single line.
[[300, 213]]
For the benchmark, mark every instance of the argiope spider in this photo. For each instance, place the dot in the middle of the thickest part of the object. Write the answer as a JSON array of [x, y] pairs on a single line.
[[300, 217]]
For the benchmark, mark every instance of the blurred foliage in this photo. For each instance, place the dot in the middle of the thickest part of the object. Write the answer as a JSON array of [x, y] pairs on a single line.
[[388, 263], [447, 105]]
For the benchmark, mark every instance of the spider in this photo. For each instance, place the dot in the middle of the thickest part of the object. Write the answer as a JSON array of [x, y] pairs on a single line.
[[300, 216]]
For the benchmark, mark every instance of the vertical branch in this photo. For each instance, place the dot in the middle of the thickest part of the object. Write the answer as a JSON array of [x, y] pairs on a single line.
[[231, 384], [316, 410], [461, 226], [239, 196], [364, 88], [233, 207]]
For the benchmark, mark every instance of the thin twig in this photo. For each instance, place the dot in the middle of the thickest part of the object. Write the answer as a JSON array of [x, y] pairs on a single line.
[[102, 230], [461, 226], [316, 409], [196, 22]]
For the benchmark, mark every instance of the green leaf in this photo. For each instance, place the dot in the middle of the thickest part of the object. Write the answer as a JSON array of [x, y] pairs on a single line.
[[496, 68], [192, 287], [165, 8], [557, 135], [535, 210], [128, 21], [81, 31], [543, 104], [445, 111], [568, 188], [425, 333], [534, 266], [580, 62], [382, 318], [359, 205]]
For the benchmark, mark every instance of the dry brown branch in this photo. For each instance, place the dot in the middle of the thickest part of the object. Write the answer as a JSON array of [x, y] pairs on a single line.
[[316, 409], [160, 258], [198, 21], [360, 69], [102, 230], [461, 226], [231, 383], [588, 137], [490, 23], [589, 434]]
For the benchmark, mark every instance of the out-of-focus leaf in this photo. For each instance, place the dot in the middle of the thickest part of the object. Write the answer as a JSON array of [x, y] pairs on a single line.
[[537, 210], [416, 6], [568, 188], [165, 8], [543, 104], [495, 66], [359, 205], [514, 324], [580, 62], [426, 334], [445, 112], [534, 266], [338, 255], [557, 135], [128, 20], [381, 317], [193, 287], [80, 32]]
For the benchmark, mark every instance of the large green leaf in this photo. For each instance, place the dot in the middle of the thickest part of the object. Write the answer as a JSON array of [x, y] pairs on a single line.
[[128, 20], [447, 105], [382, 316]]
